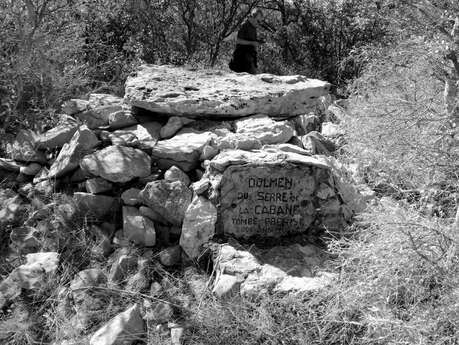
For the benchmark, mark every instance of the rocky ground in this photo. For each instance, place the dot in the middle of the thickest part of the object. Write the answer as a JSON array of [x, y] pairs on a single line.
[[100, 214]]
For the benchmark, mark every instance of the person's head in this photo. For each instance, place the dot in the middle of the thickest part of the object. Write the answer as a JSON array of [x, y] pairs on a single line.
[[256, 15]]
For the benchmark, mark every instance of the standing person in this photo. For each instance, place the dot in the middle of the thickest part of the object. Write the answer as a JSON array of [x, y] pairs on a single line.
[[245, 55]]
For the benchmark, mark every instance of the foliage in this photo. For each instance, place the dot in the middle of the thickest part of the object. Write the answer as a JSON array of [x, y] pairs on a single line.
[[52, 50]]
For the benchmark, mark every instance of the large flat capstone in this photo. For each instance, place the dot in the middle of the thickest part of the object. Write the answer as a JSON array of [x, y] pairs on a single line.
[[218, 94]]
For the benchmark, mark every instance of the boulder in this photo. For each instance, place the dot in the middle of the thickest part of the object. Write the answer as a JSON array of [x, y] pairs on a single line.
[[226, 286], [292, 284], [25, 148], [170, 256], [124, 329], [30, 170], [143, 135], [173, 125], [98, 205], [210, 93], [97, 185], [316, 144], [158, 312], [88, 278], [58, 136], [11, 207], [198, 226], [169, 199], [117, 163], [266, 193], [25, 239], [331, 130], [82, 142], [121, 118], [103, 99], [201, 186], [131, 197], [177, 335], [306, 123], [29, 276], [137, 228], [265, 129], [262, 281], [123, 265], [152, 214], [99, 116], [183, 150], [175, 174]]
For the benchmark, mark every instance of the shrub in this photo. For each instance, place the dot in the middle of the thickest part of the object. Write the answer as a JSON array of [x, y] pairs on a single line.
[[397, 117]]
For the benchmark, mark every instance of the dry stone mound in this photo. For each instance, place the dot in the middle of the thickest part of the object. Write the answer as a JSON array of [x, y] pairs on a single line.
[[187, 159]]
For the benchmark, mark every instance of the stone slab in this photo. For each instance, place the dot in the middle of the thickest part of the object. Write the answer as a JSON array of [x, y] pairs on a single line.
[[198, 93], [267, 200]]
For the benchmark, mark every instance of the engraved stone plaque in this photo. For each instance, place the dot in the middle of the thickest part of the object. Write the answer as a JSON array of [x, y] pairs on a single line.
[[268, 200]]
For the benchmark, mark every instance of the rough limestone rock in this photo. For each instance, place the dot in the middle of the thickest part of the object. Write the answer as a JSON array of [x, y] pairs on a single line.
[[25, 148], [183, 150], [25, 238], [137, 228], [331, 130], [177, 335], [175, 174], [234, 261], [201, 186], [158, 312], [297, 260], [98, 117], [37, 265], [98, 185], [170, 256], [87, 278], [316, 144], [143, 135], [198, 226], [11, 207], [262, 281], [82, 142], [173, 125], [152, 214], [277, 269], [131, 197], [117, 163], [226, 286], [265, 129], [29, 276], [59, 135], [169, 199], [123, 329], [304, 284], [121, 118], [203, 93], [99, 205], [103, 99], [306, 123], [30, 170]]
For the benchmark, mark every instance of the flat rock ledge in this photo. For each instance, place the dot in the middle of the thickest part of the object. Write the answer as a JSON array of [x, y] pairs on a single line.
[[217, 94]]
